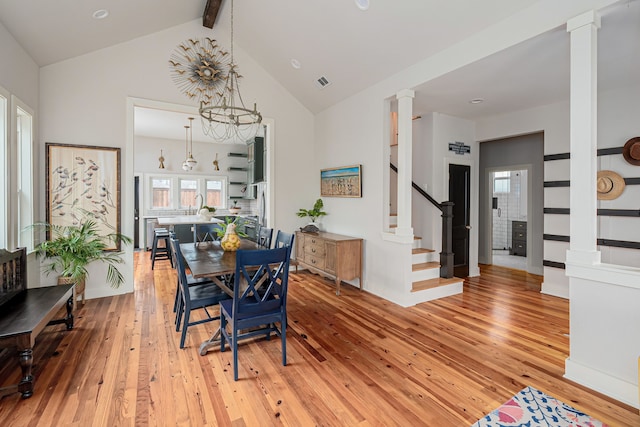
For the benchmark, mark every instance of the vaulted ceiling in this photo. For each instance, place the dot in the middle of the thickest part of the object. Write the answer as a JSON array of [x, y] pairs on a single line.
[[351, 48]]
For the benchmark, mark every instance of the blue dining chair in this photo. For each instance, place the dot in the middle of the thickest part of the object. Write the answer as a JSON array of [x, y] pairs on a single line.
[[199, 296], [264, 237], [284, 240], [191, 281], [207, 232], [259, 300]]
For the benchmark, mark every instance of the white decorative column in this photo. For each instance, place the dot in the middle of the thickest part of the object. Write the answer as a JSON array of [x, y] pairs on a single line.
[[583, 225], [405, 144]]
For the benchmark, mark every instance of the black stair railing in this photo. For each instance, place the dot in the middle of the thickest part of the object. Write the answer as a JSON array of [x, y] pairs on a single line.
[[446, 256]]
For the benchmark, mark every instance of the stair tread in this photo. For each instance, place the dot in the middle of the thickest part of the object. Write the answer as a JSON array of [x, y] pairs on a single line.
[[433, 283], [425, 266], [421, 251]]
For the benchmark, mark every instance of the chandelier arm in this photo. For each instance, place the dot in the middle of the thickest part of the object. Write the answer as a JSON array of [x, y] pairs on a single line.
[[224, 115]]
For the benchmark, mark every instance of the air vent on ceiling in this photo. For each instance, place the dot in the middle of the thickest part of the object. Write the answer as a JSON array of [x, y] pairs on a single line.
[[322, 82]]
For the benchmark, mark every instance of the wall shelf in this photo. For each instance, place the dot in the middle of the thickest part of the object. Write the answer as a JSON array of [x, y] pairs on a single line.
[[234, 168], [237, 154], [237, 183]]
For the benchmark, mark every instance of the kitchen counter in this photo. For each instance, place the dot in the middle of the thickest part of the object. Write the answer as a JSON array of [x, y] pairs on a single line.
[[187, 219]]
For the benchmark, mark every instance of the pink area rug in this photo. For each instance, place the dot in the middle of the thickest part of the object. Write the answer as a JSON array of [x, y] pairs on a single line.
[[532, 408]]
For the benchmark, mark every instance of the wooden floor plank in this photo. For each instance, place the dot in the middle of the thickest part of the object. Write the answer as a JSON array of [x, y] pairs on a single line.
[[353, 360]]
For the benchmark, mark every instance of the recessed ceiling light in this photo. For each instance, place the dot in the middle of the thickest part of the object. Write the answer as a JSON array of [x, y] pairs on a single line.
[[476, 101], [295, 64], [362, 4], [100, 14]]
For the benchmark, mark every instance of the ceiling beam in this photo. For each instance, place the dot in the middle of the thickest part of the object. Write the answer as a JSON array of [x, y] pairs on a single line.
[[211, 13]]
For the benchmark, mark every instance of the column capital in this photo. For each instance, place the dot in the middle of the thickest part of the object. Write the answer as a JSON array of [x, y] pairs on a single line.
[[588, 18], [405, 93]]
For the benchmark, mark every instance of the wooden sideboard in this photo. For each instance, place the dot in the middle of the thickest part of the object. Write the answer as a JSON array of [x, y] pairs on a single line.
[[330, 254]]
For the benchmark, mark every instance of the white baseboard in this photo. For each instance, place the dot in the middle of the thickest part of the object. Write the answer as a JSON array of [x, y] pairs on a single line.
[[561, 291], [602, 382]]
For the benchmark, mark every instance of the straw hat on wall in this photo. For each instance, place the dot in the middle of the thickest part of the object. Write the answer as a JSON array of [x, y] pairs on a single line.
[[610, 185]]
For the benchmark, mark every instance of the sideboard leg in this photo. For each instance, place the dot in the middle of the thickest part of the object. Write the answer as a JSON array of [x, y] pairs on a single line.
[[26, 383], [69, 319]]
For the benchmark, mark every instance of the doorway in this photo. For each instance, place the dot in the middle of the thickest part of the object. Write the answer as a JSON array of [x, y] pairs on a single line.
[[136, 212], [509, 218], [460, 195]]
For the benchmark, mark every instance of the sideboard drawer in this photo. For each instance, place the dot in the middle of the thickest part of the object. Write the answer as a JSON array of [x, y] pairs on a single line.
[[314, 261], [316, 249]]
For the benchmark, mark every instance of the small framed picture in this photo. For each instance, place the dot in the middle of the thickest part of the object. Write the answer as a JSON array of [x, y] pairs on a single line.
[[345, 181]]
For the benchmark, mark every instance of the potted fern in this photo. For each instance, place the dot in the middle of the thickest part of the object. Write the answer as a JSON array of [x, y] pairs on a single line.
[[71, 248], [313, 213]]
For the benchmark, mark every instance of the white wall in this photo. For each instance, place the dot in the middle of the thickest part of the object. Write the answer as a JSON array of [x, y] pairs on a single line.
[[18, 72], [355, 131], [448, 129], [84, 101], [19, 77], [617, 112], [605, 339]]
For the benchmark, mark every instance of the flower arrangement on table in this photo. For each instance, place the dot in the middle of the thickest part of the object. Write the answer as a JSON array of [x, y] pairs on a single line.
[[207, 212]]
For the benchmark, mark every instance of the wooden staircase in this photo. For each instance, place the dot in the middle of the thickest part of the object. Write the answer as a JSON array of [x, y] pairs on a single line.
[[425, 272]]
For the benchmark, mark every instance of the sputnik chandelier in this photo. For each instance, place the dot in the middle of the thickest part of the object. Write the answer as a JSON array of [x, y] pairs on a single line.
[[208, 74]]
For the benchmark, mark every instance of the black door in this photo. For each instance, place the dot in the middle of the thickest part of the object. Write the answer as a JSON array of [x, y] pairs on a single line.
[[136, 212], [459, 194]]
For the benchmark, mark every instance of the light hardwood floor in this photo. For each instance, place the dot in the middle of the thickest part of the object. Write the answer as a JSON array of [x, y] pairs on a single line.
[[353, 360]]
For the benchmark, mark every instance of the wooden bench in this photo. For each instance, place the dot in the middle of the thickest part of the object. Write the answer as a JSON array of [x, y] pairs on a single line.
[[24, 313]]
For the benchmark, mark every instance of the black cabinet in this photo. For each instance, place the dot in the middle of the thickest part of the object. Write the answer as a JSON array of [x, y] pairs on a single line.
[[256, 159], [519, 238]]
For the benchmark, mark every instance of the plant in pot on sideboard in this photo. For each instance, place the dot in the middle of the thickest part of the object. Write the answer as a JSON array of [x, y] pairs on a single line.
[[72, 248], [313, 213]]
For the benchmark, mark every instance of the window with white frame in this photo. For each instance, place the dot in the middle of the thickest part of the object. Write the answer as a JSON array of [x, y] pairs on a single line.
[[25, 178], [4, 164], [160, 190], [502, 182], [169, 192], [214, 194], [188, 193]]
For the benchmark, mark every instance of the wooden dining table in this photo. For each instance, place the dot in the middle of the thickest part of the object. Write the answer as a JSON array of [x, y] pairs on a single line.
[[208, 260]]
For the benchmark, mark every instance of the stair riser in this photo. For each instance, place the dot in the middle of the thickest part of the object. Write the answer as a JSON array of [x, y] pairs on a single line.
[[417, 243], [440, 292], [430, 273], [425, 257]]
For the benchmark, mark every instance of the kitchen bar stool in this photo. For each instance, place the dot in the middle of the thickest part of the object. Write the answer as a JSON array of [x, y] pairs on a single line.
[[159, 252], [156, 230]]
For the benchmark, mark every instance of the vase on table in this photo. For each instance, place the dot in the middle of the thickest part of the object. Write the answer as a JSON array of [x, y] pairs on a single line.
[[206, 214], [230, 241]]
